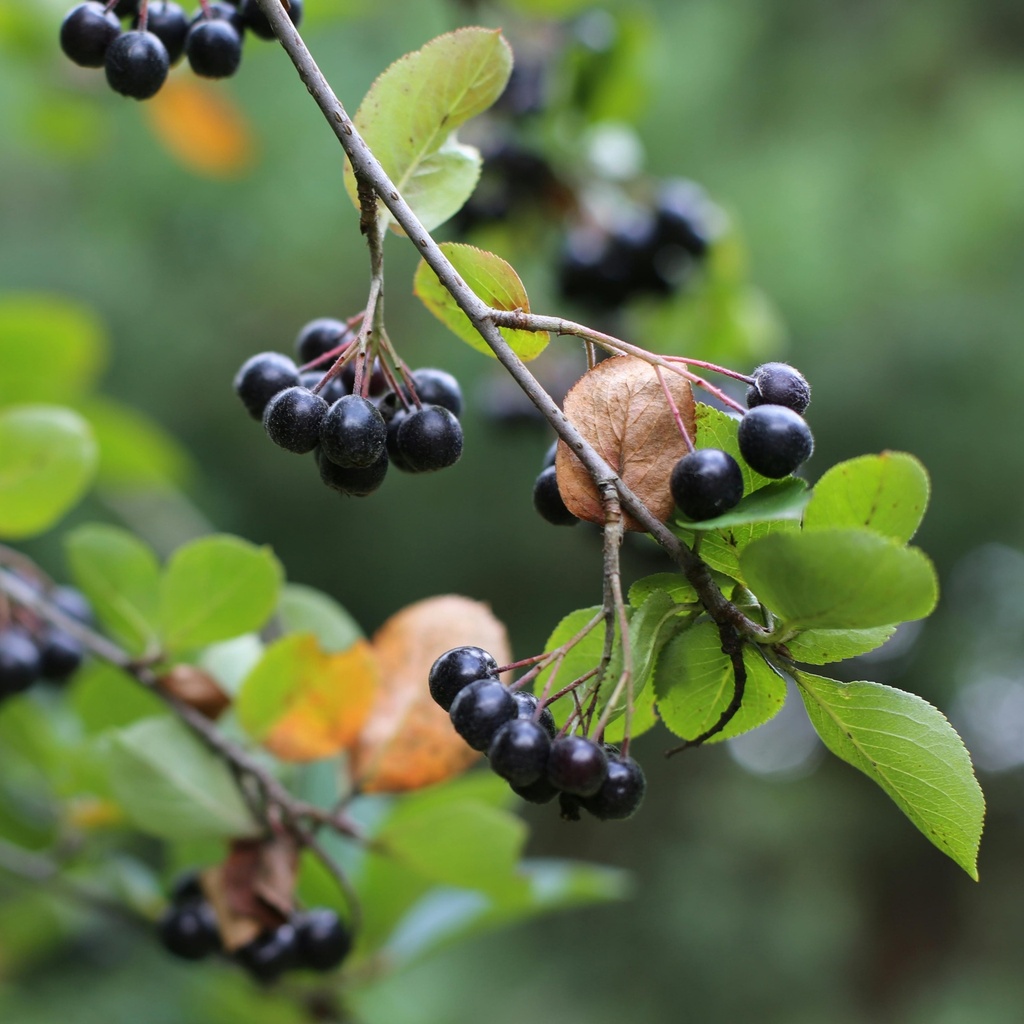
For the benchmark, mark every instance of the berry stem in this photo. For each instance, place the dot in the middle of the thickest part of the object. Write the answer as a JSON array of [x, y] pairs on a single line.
[[714, 367], [675, 410]]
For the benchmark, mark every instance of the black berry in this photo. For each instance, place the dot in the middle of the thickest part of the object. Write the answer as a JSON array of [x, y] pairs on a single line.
[[779, 384], [214, 48], [73, 603], [330, 392], [456, 669], [527, 704], [438, 387], [774, 440], [547, 500], [87, 32], [269, 956], [323, 941], [220, 10], [60, 654], [319, 337], [706, 483], [137, 64], [519, 751], [429, 439], [577, 765], [684, 216], [189, 930], [550, 454], [293, 417], [261, 377], [19, 661], [357, 482], [479, 710], [169, 23], [621, 793], [256, 20], [187, 888], [539, 792], [353, 433]]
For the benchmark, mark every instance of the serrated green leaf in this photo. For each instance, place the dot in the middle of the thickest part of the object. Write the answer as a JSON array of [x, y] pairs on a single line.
[[672, 583], [215, 588], [412, 111], [909, 748], [303, 609], [721, 549], [782, 499], [839, 579], [494, 282], [887, 493], [695, 683], [171, 785], [47, 461], [823, 646], [121, 577]]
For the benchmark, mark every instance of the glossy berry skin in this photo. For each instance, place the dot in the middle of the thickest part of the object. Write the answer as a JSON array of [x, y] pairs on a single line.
[[189, 930], [330, 392], [323, 941], [292, 419], [87, 32], [266, 958], [19, 661], [136, 64], [774, 440], [621, 793], [319, 337], [429, 439], [214, 48], [261, 377], [256, 21], [539, 792], [527, 704], [438, 387], [577, 765], [356, 482], [353, 433], [395, 419], [73, 603], [547, 500], [60, 654], [706, 483], [519, 751], [480, 710], [456, 669], [779, 384], [169, 23]]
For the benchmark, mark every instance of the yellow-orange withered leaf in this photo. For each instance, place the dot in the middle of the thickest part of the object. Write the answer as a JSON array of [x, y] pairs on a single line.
[[408, 741], [202, 127]]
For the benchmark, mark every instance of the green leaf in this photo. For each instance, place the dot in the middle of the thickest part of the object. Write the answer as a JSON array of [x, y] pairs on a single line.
[[716, 429], [822, 646], [694, 682], [215, 588], [494, 282], [51, 349], [782, 499], [47, 461], [104, 698], [412, 111], [909, 748], [305, 610], [721, 549], [121, 577], [173, 786], [672, 583], [887, 493], [839, 579]]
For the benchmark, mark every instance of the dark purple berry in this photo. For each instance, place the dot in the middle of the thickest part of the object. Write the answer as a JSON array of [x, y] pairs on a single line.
[[319, 337], [429, 439], [220, 10], [214, 48], [137, 64], [569, 806], [577, 765], [479, 710], [73, 603], [779, 384], [266, 958], [189, 931], [256, 20], [169, 23], [539, 792], [621, 793], [547, 500], [323, 940], [330, 392], [87, 32], [456, 669], [706, 483], [357, 482], [19, 661], [60, 654], [438, 387], [292, 419], [261, 377], [519, 751], [774, 440], [685, 217], [528, 704], [353, 433]]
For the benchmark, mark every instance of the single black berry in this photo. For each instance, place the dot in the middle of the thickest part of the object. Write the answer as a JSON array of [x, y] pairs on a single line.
[[293, 417], [261, 377], [357, 482], [137, 64], [220, 10], [519, 751], [330, 392], [456, 669], [569, 806], [539, 792], [394, 419], [186, 888], [214, 48], [685, 217], [779, 384], [527, 704], [706, 483], [169, 23], [60, 654], [19, 661], [577, 765], [323, 941], [353, 433], [621, 793], [550, 454], [438, 387], [73, 603], [271, 954], [319, 337], [189, 930], [256, 20], [87, 32], [547, 500], [479, 710], [429, 439], [774, 440]]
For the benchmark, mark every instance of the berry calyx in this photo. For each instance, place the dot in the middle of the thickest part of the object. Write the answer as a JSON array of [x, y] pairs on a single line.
[[356, 482], [261, 377], [779, 384], [547, 500], [214, 48], [136, 64], [271, 954], [480, 710], [621, 793], [319, 337], [706, 483], [429, 439], [323, 941], [577, 765], [169, 23], [527, 704], [456, 669], [292, 419], [774, 440], [353, 433], [19, 661], [519, 751], [87, 32], [189, 930]]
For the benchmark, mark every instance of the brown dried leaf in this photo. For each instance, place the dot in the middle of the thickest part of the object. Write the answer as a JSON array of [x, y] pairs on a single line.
[[408, 741], [196, 688], [621, 409]]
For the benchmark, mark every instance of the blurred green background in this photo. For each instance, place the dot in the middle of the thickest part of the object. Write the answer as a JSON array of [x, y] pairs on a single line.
[[872, 155]]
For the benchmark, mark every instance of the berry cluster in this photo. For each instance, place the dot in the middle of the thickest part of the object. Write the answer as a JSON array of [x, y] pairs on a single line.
[[522, 743], [774, 441], [413, 426], [315, 940], [31, 649], [137, 59]]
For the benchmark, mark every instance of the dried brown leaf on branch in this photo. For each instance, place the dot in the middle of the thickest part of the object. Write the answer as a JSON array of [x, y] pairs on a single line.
[[408, 741], [621, 409]]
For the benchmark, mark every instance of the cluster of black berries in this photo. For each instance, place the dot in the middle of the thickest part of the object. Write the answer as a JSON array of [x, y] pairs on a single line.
[[314, 940], [652, 253], [354, 438], [774, 440], [137, 59], [547, 499], [522, 744], [31, 649]]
